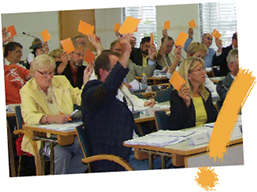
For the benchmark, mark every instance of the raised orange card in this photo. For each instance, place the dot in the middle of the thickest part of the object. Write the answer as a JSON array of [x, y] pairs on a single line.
[[129, 25], [67, 45], [182, 37], [166, 25], [89, 56], [45, 35], [176, 80], [116, 27], [12, 30], [216, 34], [85, 28], [192, 24], [151, 38]]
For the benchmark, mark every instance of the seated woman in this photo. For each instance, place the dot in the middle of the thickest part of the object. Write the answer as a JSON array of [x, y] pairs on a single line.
[[43, 98], [192, 105]]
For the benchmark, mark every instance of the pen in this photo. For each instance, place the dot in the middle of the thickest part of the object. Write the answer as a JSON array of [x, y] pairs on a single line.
[[63, 114]]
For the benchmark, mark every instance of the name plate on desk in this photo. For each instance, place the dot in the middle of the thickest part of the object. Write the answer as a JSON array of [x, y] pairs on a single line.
[[199, 139]]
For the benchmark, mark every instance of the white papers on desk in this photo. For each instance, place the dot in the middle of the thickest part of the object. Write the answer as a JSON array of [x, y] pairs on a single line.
[[161, 138], [70, 126]]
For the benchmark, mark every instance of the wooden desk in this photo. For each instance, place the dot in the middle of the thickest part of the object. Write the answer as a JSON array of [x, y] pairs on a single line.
[[63, 138], [155, 80], [180, 151]]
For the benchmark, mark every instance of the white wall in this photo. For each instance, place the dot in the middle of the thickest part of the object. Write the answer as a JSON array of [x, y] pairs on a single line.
[[105, 20], [33, 23]]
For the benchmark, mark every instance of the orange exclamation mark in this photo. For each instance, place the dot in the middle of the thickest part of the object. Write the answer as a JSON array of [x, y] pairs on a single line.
[[228, 115], [223, 127]]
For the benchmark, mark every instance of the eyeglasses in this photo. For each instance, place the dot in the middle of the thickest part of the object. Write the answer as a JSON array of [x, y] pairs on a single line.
[[199, 70], [46, 73]]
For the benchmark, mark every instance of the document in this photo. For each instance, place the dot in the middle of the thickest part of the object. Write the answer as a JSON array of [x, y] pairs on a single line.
[[161, 138], [69, 126]]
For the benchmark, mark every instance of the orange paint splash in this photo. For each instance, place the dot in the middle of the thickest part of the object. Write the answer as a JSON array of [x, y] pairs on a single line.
[[228, 115], [207, 178]]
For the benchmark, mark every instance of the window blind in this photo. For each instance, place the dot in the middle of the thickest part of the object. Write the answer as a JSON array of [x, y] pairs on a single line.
[[220, 16], [147, 25]]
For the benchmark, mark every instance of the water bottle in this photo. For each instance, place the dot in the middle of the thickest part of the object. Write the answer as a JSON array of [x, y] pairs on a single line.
[[144, 81]]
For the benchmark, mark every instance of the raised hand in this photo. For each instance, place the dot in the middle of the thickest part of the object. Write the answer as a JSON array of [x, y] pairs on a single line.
[[152, 52], [190, 33], [184, 94], [96, 42], [218, 44]]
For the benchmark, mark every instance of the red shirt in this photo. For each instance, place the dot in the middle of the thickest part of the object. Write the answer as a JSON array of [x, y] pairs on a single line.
[[15, 78]]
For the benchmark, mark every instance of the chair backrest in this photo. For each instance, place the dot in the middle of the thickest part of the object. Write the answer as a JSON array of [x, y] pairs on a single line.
[[80, 131], [163, 95], [162, 120], [19, 118]]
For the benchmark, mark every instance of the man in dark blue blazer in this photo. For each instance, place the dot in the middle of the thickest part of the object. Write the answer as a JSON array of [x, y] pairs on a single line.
[[108, 121], [219, 59]]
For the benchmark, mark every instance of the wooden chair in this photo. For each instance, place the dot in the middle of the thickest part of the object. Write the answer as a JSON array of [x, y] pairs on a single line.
[[162, 120], [19, 131], [80, 131]]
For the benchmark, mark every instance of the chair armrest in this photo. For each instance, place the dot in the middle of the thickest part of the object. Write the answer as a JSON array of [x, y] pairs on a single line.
[[38, 164], [108, 157]]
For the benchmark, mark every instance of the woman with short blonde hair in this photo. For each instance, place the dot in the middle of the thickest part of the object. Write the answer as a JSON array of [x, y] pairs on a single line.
[[47, 99]]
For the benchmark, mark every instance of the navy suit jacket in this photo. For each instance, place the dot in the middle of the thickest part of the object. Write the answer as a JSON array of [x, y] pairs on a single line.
[[222, 61], [182, 116], [108, 121]]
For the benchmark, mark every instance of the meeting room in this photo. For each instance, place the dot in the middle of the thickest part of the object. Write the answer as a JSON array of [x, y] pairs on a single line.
[[117, 89]]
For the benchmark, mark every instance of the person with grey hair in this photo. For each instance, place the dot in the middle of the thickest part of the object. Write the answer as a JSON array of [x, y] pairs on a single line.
[[207, 41], [233, 65], [47, 99], [73, 69]]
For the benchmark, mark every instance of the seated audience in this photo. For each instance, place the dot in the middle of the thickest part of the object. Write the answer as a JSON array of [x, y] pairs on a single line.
[[192, 105], [145, 55], [38, 48], [220, 58], [57, 54], [134, 70], [207, 41], [13, 54], [165, 56], [73, 68], [108, 121], [233, 65], [49, 99]]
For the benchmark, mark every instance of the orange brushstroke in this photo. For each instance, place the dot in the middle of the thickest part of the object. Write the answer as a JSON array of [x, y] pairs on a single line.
[[207, 178], [228, 115]]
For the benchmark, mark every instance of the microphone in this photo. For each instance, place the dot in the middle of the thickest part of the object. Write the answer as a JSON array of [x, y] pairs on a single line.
[[30, 35], [224, 87]]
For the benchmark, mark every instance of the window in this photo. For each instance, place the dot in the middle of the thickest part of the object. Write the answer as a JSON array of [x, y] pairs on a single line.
[[220, 16], [147, 25]]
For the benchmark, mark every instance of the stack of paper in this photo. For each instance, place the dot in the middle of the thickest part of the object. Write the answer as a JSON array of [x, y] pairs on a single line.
[[70, 126], [161, 138]]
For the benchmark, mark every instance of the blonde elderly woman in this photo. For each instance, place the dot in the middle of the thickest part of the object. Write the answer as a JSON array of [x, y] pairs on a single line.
[[42, 99], [192, 105]]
